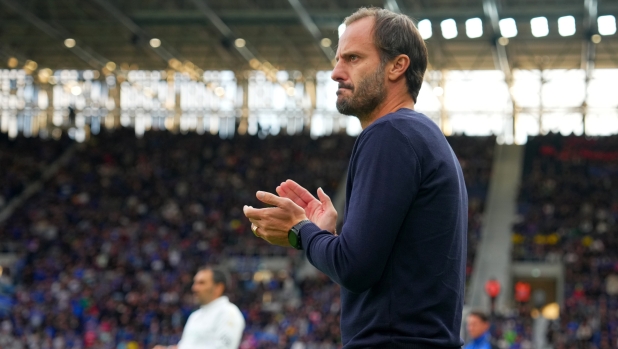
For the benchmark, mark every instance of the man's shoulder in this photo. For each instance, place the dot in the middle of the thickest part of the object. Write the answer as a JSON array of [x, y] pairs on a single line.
[[406, 122], [232, 310]]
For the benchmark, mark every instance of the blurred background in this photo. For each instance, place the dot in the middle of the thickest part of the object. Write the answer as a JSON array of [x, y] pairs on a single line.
[[132, 132]]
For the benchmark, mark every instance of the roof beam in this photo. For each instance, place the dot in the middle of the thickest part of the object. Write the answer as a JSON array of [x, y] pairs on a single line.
[[84, 53], [227, 33], [308, 23], [501, 60], [590, 28]]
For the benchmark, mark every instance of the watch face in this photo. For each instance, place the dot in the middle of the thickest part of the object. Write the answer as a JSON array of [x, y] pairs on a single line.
[[293, 238]]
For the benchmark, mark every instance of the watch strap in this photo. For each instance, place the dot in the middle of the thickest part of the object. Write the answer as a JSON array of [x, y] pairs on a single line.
[[301, 224], [294, 234]]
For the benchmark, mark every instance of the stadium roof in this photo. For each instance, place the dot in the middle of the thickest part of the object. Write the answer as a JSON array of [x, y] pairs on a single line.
[[288, 33]]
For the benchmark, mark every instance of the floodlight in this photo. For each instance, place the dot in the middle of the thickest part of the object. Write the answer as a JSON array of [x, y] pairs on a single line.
[[449, 28], [566, 25], [607, 25], [508, 27], [474, 28], [539, 26], [240, 42], [70, 43], [154, 42], [424, 27]]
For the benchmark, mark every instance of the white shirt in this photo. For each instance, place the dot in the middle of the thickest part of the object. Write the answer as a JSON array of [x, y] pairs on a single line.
[[216, 325]]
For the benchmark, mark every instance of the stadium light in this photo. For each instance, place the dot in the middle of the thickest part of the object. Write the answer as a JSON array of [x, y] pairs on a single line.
[[474, 28], [607, 25], [566, 25], [154, 42], [70, 43], [449, 28], [424, 27], [240, 42], [539, 27], [508, 27]]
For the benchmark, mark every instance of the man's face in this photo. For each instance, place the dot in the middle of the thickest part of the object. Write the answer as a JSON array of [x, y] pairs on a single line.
[[359, 71], [476, 326], [204, 287]]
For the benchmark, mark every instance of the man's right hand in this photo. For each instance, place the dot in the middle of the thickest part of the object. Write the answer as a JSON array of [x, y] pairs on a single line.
[[321, 212]]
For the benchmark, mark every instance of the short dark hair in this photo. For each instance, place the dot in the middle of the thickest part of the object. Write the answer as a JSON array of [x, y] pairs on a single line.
[[219, 276], [479, 314], [395, 34]]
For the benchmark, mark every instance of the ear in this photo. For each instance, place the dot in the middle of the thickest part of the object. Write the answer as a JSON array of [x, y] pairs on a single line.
[[219, 289], [398, 67]]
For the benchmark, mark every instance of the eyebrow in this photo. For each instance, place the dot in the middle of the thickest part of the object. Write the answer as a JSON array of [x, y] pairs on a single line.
[[351, 53]]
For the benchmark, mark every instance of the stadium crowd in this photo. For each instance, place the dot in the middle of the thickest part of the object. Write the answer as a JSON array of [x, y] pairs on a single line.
[[568, 207], [475, 156], [23, 160], [110, 244]]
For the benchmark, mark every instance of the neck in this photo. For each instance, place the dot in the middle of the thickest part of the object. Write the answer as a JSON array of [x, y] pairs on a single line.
[[210, 301], [400, 99]]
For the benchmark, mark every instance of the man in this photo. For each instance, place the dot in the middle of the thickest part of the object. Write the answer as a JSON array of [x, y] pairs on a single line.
[[217, 324], [400, 256], [477, 324]]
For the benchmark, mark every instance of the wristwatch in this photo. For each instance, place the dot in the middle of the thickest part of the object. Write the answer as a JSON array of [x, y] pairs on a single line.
[[294, 235]]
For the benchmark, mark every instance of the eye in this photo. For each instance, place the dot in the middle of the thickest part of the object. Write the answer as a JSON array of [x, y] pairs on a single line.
[[353, 58]]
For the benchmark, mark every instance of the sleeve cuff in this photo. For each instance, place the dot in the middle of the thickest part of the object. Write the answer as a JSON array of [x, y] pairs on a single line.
[[308, 231]]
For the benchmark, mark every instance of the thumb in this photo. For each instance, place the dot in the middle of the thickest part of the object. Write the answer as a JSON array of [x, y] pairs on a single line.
[[324, 199]]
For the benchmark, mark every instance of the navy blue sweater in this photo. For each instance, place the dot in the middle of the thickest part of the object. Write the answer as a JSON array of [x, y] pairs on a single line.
[[401, 254]]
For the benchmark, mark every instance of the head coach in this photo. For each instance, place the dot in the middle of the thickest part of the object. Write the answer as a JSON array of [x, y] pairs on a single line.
[[400, 255]]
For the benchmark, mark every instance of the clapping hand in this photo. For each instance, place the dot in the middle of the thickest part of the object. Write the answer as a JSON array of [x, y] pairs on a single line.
[[321, 212]]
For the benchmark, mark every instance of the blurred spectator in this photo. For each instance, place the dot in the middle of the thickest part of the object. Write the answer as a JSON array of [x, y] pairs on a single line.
[[477, 325], [217, 323]]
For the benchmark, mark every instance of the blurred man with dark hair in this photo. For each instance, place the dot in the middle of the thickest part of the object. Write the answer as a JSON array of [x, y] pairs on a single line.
[[477, 324], [217, 324], [400, 256]]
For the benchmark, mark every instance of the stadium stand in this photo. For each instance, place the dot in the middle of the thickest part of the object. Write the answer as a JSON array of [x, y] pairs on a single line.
[[112, 240], [568, 206]]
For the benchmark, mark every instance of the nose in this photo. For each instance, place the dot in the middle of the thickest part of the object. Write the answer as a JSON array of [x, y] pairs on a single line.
[[338, 74]]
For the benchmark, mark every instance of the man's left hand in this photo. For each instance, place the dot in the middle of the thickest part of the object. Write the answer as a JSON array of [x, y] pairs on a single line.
[[273, 223]]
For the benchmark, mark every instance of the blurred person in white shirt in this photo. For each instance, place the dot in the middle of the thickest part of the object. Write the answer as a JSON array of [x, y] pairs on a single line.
[[218, 323]]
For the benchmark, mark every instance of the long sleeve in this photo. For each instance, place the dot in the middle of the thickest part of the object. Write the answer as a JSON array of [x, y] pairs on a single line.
[[385, 176]]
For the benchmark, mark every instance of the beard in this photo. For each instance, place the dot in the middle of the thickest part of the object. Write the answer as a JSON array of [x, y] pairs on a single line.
[[366, 96]]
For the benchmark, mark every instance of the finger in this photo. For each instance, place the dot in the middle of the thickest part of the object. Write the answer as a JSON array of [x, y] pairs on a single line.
[[324, 199], [255, 221], [253, 213], [303, 193], [272, 199], [268, 233], [287, 193]]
